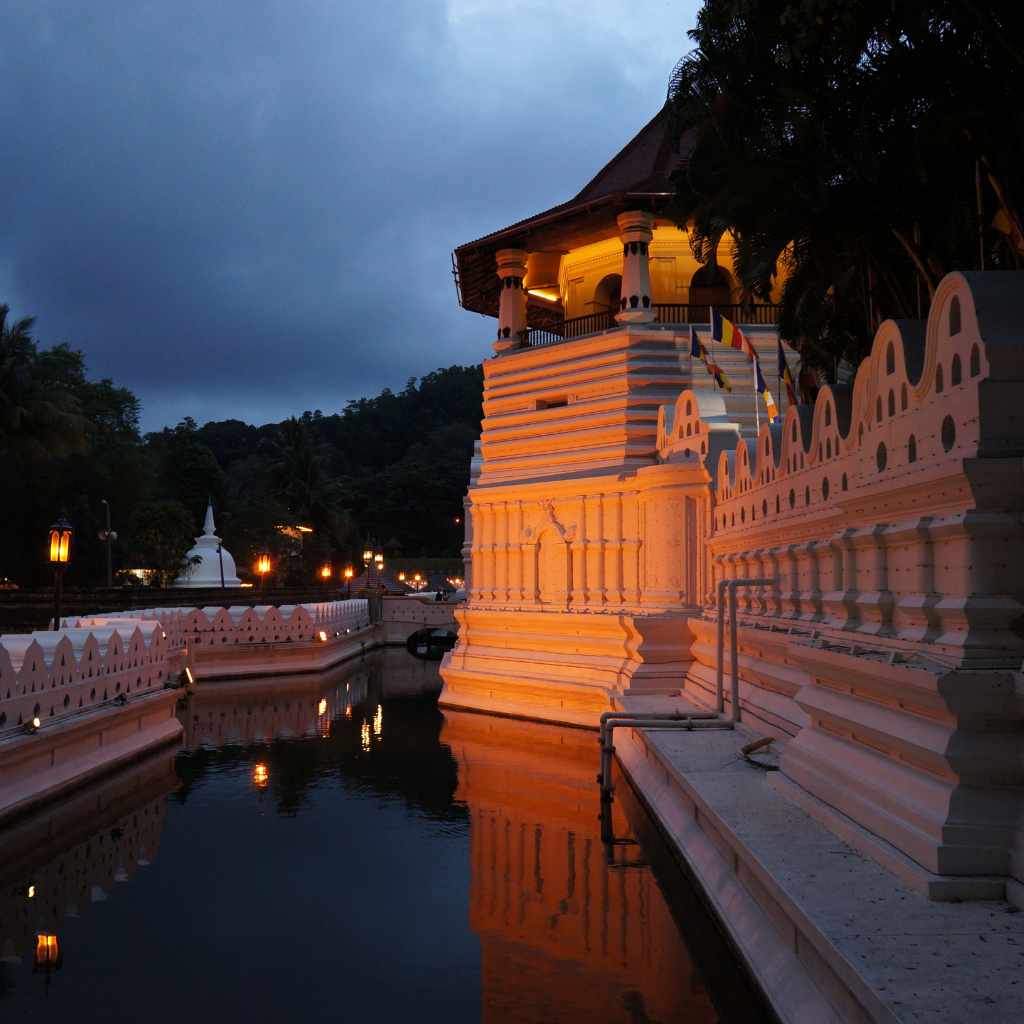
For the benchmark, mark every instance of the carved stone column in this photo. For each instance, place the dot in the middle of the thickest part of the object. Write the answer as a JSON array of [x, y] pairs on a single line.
[[512, 300], [636, 229], [874, 600], [810, 596]]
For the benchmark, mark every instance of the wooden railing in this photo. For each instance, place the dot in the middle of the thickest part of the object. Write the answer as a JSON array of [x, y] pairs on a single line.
[[664, 313]]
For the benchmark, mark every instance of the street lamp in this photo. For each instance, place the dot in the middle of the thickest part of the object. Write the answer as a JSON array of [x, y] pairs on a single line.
[[262, 568], [326, 571], [349, 573], [60, 555]]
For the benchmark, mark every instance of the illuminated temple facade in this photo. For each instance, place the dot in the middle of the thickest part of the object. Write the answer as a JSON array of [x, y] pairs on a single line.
[[615, 487]]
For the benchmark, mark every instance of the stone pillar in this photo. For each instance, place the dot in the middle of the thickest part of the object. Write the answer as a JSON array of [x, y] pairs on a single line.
[[517, 587], [512, 300], [467, 546], [810, 596], [791, 581], [529, 563], [636, 229], [874, 599]]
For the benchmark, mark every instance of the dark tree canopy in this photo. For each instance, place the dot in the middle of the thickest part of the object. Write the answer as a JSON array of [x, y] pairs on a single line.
[[857, 150], [395, 467]]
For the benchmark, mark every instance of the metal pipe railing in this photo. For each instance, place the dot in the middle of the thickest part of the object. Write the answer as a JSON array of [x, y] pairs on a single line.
[[734, 673], [611, 720]]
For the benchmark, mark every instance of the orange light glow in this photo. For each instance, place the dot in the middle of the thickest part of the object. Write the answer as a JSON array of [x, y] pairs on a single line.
[[47, 950], [260, 775], [321, 708], [60, 545], [401, 577], [349, 572], [326, 572], [263, 564]]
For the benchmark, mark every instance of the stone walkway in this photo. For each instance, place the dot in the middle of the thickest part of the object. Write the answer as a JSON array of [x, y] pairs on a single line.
[[876, 949]]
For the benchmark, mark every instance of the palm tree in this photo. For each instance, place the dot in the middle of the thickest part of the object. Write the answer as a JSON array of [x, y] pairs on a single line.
[[38, 420]]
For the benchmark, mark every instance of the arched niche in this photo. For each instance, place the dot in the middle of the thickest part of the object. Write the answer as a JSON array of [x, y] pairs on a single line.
[[607, 294], [552, 568]]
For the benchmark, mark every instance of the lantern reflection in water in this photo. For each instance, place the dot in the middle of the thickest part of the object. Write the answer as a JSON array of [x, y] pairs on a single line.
[[260, 775]]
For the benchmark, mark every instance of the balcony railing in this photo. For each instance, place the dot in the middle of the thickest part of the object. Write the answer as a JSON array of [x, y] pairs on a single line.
[[664, 313]]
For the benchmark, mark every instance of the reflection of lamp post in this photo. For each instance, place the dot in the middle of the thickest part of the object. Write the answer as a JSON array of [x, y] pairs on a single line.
[[60, 555], [260, 775], [262, 568]]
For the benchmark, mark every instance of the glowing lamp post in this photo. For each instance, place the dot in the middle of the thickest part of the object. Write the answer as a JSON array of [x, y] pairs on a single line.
[[349, 573], [60, 555], [262, 568], [326, 571], [47, 955]]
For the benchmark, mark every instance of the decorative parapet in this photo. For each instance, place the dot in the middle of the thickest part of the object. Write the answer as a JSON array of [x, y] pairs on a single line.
[[245, 625], [892, 509], [98, 659], [61, 673]]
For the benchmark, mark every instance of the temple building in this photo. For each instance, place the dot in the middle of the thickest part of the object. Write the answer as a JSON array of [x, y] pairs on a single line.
[[571, 509], [874, 536]]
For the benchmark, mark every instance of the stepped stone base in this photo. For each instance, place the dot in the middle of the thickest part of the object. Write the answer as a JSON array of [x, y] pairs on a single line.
[[560, 666]]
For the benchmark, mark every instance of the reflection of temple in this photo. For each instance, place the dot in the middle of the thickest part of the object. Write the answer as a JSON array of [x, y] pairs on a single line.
[[58, 861], [562, 935]]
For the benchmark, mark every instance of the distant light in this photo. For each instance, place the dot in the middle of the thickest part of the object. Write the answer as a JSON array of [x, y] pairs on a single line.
[[322, 636], [458, 519], [31, 892], [36, 723], [260, 775], [401, 577], [349, 573], [326, 571], [321, 708]]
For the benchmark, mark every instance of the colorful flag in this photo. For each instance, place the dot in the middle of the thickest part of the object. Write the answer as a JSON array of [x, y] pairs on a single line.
[[726, 332], [715, 370], [765, 393], [786, 377]]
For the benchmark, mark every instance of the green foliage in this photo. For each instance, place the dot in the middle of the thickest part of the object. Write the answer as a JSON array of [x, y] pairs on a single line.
[[394, 466], [847, 144], [160, 534]]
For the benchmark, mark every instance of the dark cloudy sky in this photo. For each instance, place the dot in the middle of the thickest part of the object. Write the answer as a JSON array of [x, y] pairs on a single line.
[[245, 208]]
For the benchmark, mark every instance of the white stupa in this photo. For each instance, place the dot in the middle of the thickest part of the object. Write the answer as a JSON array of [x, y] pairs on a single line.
[[207, 571]]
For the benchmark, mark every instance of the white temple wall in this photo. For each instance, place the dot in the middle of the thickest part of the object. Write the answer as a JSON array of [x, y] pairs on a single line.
[[891, 644]]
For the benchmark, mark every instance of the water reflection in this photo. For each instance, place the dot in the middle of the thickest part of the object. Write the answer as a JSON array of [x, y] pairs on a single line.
[[564, 937], [434, 865], [58, 863]]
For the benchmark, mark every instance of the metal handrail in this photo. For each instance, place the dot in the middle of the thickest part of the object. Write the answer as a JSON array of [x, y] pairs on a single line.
[[734, 672]]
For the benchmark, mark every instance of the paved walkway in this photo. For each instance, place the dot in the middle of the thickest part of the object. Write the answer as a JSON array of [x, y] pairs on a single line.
[[875, 948]]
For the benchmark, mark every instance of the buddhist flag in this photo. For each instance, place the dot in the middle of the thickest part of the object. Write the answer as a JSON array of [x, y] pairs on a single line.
[[726, 332], [721, 379], [763, 390], [786, 376]]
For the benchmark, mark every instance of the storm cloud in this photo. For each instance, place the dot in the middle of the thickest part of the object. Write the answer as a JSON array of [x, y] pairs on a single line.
[[246, 208]]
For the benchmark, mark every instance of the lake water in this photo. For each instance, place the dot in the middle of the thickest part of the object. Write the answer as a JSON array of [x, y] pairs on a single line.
[[337, 848]]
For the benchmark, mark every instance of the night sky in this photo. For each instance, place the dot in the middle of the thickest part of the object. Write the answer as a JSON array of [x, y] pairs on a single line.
[[246, 208]]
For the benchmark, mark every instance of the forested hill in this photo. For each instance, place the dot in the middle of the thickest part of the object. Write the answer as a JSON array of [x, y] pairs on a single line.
[[394, 467]]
